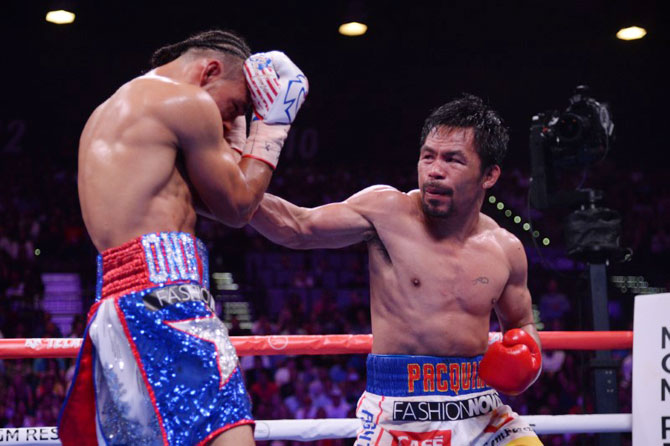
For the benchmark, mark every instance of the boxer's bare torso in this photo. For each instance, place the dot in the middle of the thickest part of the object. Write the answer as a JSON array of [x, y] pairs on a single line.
[[155, 149], [434, 280], [129, 183], [433, 295]]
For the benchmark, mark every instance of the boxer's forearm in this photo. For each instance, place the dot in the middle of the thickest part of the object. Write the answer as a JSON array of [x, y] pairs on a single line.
[[279, 221], [232, 196], [246, 199], [333, 225]]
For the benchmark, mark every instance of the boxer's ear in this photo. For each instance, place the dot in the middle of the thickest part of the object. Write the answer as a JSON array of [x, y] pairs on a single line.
[[213, 69], [490, 176]]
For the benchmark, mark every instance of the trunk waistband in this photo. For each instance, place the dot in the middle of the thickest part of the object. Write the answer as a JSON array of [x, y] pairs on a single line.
[[407, 375], [150, 261]]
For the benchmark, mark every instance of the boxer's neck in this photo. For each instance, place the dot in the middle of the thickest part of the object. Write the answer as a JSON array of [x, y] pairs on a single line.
[[458, 226]]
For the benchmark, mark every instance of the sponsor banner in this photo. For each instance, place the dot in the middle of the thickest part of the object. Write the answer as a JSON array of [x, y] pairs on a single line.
[[52, 343], [510, 433], [432, 438], [445, 410], [29, 436], [169, 295], [368, 428], [651, 370]]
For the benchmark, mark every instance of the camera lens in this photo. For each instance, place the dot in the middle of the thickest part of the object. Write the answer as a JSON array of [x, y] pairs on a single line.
[[570, 127]]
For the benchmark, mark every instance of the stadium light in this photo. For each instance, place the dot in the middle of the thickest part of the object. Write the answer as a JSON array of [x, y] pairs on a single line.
[[353, 19], [60, 17], [353, 29], [631, 33]]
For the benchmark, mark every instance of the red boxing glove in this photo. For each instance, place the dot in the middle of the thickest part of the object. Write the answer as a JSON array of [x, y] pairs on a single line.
[[512, 365]]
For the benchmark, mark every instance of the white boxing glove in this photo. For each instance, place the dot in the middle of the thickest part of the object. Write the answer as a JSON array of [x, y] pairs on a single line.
[[278, 89], [277, 86], [265, 142]]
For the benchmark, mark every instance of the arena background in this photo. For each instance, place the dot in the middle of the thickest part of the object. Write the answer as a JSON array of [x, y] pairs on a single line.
[[360, 125]]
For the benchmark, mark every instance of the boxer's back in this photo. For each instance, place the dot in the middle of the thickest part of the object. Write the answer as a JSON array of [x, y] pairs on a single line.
[[129, 183]]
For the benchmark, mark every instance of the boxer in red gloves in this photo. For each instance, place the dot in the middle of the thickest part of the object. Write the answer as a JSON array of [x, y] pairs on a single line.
[[438, 267], [512, 365]]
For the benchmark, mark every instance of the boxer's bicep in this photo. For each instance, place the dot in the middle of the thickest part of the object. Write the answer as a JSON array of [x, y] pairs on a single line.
[[514, 307], [231, 191], [352, 221]]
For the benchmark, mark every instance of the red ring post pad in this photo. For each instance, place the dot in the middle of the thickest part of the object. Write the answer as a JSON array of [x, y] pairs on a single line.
[[316, 344], [586, 340]]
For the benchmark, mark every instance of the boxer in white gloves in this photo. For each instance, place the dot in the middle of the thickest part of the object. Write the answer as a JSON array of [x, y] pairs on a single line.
[[156, 366]]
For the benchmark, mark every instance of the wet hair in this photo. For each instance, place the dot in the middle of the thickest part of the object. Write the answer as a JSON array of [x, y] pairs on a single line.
[[469, 111], [226, 42]]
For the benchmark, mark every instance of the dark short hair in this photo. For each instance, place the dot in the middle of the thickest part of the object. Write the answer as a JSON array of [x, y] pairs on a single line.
[[226, 42], [469, 111]]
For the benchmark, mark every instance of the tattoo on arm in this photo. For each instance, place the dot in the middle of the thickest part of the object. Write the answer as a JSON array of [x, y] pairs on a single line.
[[481, 279]]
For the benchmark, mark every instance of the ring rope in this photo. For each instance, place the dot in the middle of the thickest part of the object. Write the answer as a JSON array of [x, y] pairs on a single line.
[[319, 429], [316, 344]]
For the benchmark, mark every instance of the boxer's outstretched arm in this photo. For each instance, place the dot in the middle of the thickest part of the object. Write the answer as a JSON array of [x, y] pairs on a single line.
[[231, 191], [514, 308], [333, 225]]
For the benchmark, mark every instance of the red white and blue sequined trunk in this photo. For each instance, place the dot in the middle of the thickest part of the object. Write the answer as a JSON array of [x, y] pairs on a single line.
[[156, 366]]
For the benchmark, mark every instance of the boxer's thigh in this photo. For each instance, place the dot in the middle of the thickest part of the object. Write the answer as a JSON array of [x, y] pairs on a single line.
[[507, 428], [236, 436]]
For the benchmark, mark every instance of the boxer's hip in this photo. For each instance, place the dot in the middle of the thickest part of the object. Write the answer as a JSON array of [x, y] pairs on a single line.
[[409, 375], [150, 261], [433, 400], [156, 363]]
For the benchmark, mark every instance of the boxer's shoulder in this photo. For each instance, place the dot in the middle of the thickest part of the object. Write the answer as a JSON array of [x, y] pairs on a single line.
[[160, 93], [510, 245], [187, 110], [380, 199], [490, 230]]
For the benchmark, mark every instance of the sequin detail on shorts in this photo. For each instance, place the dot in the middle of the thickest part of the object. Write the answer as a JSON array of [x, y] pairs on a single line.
[[212, 330], [170, 257], [186, 386], [117, 429], [202, 253], [150, 261], [98, 281], [190, 365]]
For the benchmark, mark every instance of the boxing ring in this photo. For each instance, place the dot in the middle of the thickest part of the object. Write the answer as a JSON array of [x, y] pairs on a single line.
[[316, 429]]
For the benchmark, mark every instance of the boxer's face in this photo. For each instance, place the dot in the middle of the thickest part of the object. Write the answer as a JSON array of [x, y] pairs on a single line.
[[231, 96], [229, 90], [450, 177]]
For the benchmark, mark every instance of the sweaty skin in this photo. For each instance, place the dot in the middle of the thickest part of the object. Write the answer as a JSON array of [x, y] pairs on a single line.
[[437, 265], [156, 148], [154, 153]]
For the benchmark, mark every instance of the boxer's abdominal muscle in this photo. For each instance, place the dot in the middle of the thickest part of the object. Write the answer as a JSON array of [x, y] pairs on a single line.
[[433, 299]]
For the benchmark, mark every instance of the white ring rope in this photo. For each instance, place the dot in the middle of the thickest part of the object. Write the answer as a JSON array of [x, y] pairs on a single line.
[[310, 430]]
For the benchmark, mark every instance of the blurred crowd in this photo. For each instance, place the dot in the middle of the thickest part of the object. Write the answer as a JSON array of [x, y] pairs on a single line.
[[305, 293]]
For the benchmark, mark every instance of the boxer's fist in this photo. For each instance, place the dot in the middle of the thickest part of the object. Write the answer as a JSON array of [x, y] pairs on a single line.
[[277, 87], [512, 365]]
